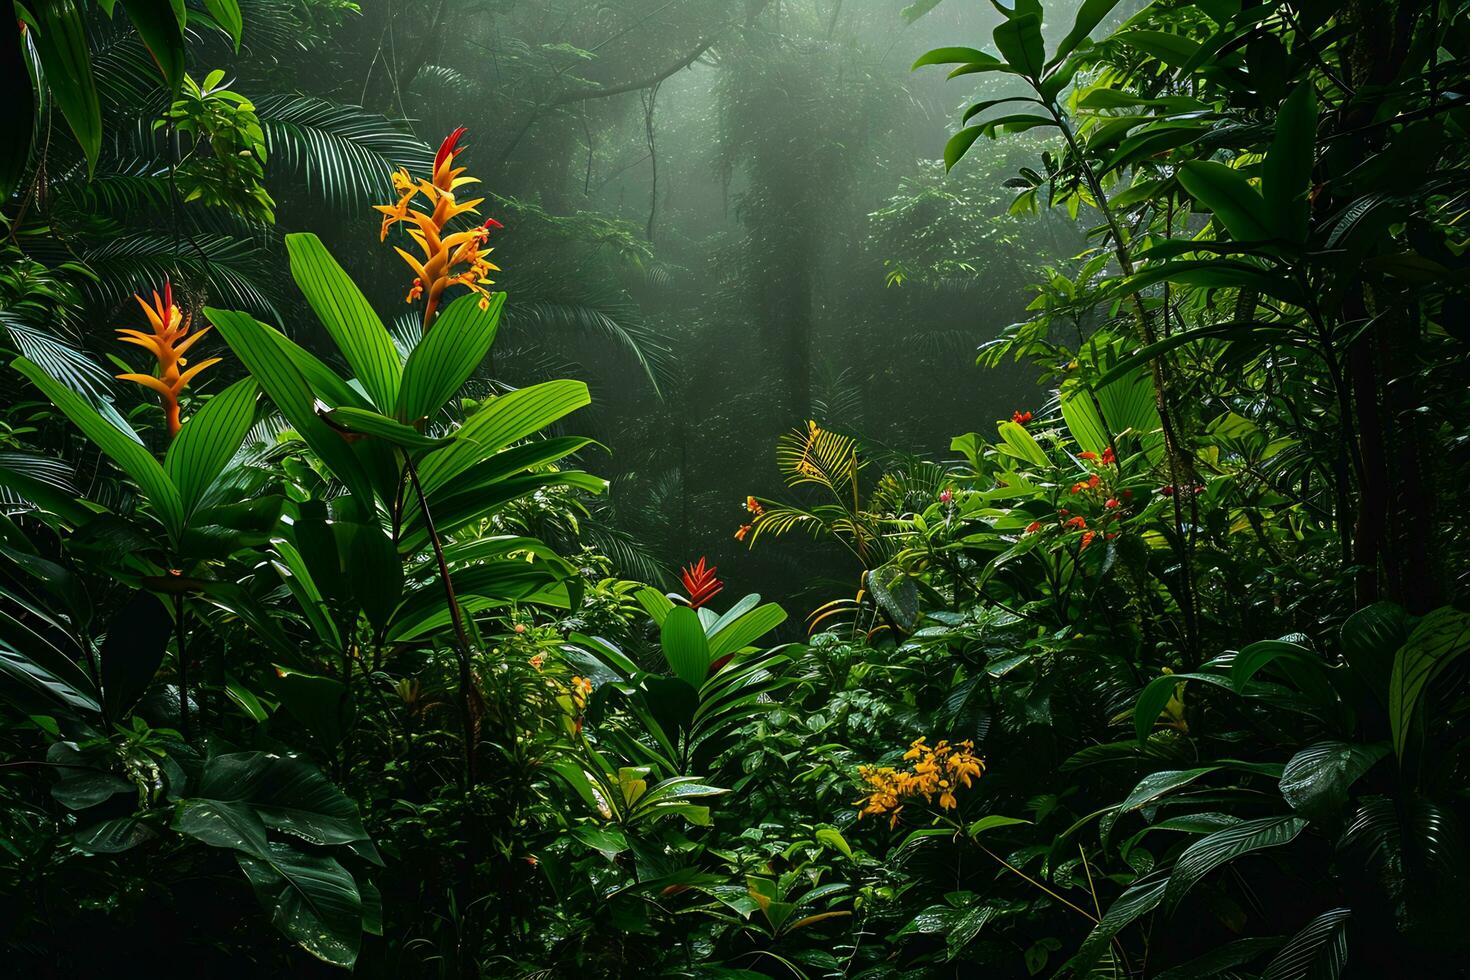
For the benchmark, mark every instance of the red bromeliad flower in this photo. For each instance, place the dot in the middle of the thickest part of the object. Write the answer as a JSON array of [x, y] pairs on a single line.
[[1020, 418], [1109, 457], [700, 583]]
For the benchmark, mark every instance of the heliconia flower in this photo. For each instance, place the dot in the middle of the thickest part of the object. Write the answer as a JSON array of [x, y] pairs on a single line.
[[753, 507], [1078, 521], [1087, 537], [742, 531], [1020, 418], [1109, 457], [1112, 503], [1087, 455], [1094, 480], [167, 344], [450, 258], [700, 583], [946, 495], [1033, 527]]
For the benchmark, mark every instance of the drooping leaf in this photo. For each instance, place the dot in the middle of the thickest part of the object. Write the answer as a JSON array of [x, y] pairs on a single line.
[[1441, 637], [449, 353], [208, 441], [684, 645], [1208, 853], [1287, 173], [60, 37], [310, 898], [1316, 780], [1229, 194]]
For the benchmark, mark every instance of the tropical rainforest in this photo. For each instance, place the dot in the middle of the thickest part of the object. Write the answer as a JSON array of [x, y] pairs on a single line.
[[735, 489]]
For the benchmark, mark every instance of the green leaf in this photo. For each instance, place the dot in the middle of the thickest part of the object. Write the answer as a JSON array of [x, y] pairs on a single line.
[[1316, 780], [226, 13], [504, 420], [1208, 853], [1286, 176], [262, 350], [959, 144], [1142, 897], [1370, 639], [220, 823], [60, 37], [290, 795], [745, 630], [447, 355], [1318, 951], [1020, 44], [1089, 15], [1223, 958], [684, 646], [991, 822], [376, 574], [123, 449], [1229, 194], [322, 704], [163, 34], [208, 441], [348, 317], [1173, 50], [1022, 444], [1151, 704], [954, 56], [369, 423], [312, 899], [1436, 642], [137, 639]]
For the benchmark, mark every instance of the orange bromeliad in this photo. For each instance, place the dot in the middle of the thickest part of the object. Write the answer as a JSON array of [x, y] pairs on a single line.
[[167, 343], [700, 582], [455, 258]]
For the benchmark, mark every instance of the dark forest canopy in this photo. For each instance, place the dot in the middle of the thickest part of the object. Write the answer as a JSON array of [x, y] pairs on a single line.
[[735, 488]]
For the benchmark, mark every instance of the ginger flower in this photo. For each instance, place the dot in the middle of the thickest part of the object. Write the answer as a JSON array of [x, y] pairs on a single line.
[[700, 582], [167, 343], [449, 258]]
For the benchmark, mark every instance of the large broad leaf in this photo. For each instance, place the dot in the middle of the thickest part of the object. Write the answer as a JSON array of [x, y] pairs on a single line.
[[1127, 406], [209, 440], [1286, 175], [262, 350], [1316, 780], [366, 422], [1318, 952], [60, 37], [1370, 639], [137, 639], [1439, 638], [1142, 897], [1229, 194], [162, 32], [289, 795], [226, 14], [123, 448], [1208, 853], [375, 573], [447, 356], [348, 317], [685, 646], [1020, 44], [745, 630], [506, 419], [220, 823], [311, 898]]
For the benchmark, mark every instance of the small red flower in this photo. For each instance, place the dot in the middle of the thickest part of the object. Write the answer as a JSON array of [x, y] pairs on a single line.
[[1020, 418], [753, 507], [1088, 456], [742, 531], [946, 495], [1111, 535], [1087, 537], [1112, 503], [1127, 494], [1094, 480], [1078, 521], [1109, 457], [1199, 490], [1167, 491], [700, 583], [1033, 527]]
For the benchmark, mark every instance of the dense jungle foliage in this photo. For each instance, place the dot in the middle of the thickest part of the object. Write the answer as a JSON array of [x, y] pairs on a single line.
[[735, 488]]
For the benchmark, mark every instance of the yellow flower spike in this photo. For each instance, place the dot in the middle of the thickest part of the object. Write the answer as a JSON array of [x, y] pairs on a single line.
[[449, 258], [936, 771], [168, 343]]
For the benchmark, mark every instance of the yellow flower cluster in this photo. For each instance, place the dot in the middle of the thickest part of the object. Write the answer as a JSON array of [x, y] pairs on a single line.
[[936, 770]]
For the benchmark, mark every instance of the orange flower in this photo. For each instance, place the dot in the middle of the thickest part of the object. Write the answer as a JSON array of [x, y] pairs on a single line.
[[167, 344], [1033, 527], [754, 507], [1087, 456], [742, 531], [1020, 418], [450, 259]]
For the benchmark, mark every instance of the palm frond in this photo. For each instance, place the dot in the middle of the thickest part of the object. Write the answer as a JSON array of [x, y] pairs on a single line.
[[821, 456], [57, 356], [620, 324], [231, 271], [342, 152]]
